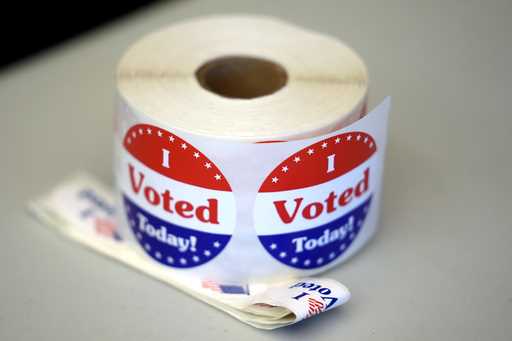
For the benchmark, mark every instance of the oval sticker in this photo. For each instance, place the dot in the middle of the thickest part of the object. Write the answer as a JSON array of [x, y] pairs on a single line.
[[177, 202], [312, 206]]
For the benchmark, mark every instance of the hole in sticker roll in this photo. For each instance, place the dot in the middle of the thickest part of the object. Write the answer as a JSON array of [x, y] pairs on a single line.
[[241, 77]]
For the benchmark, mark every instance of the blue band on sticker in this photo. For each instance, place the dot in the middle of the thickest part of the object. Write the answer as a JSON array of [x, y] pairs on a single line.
[[172, 245], [318, 246]]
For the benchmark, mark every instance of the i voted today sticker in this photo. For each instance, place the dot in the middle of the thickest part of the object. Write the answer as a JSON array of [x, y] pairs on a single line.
[[178, 204], [312, 206]]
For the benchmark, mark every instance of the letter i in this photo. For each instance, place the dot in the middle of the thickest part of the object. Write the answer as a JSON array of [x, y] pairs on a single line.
[[166, 155], [330, 163]]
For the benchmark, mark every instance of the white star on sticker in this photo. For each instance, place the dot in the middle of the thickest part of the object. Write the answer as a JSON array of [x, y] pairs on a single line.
[[183, 146], [141, 132], [196, 155], [365, 139], [324, 145], [139, 235], [183, 261], [370, 145], [134, 134], [158, 255], [171, 138], [273, 246], [310, 151], [208, 165], [332, 255], [170, 260], [307, 262], [216, 245], [282, 254], [217, 177], [159, 133], [129, 140], [342, 247], [349, 137], [296, 159], [294, 260], [275, 179], [358, 137], [207, 253], [319, 260], [284, 169], [149, 131], [352, 236], [147, 247], [359, 223], [195, 259], [337, 140]]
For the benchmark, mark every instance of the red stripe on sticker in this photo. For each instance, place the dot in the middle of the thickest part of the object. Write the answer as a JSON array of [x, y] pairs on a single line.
[[173, 157], [321, 162]]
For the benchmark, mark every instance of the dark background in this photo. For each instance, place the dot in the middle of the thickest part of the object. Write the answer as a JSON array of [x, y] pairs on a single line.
[[31, 27]]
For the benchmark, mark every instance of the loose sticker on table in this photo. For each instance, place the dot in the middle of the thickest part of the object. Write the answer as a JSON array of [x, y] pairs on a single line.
[[311, 207], [178, 204]]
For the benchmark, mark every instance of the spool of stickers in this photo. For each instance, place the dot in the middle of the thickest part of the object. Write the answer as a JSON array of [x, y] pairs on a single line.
[[241, 156], [245, 162]]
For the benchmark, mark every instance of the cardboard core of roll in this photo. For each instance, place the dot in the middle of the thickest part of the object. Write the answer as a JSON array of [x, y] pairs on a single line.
[[241, 77]]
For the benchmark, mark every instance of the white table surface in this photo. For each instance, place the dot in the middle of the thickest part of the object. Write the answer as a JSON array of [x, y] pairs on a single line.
[[440, 268]]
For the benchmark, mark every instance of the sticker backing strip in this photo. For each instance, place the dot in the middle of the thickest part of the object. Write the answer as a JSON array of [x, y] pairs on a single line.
[[82, 209]]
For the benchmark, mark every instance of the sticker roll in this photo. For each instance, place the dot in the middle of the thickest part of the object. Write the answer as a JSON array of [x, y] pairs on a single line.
[[200, 191]]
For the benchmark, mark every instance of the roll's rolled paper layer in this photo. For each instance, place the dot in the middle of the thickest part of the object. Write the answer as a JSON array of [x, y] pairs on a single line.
[[326, 84]]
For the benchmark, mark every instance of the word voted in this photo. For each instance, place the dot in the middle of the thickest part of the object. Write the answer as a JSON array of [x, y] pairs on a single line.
[[207, 213], [314, 209]]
